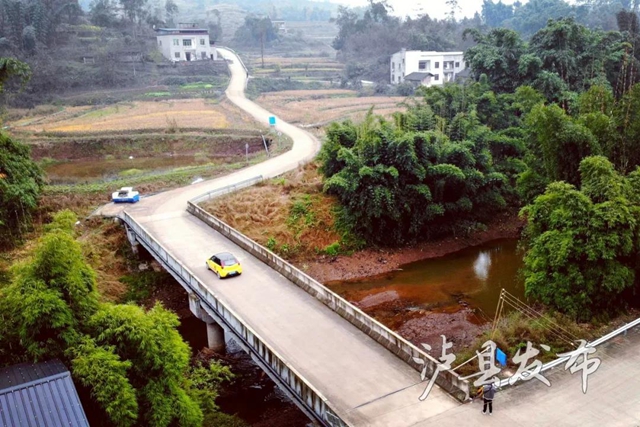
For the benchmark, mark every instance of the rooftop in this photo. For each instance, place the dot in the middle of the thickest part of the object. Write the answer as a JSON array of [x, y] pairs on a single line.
[[417, 77], [166, 31], [39, 395]]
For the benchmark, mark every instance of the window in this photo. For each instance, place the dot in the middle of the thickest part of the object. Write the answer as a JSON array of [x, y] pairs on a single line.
[[201, 42], [159, 42], [186, 42], [436, 77], [424, 65], [393, 65], [437, 65], [457, 65], [448, 77], [176, 42], [177, 55]]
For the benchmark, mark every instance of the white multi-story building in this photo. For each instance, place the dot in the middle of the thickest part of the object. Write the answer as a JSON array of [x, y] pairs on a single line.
[[426, 68], [185, 44]]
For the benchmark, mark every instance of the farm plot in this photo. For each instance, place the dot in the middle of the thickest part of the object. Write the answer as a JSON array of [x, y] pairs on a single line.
[[321, 107], [314, 67], [170, 114]]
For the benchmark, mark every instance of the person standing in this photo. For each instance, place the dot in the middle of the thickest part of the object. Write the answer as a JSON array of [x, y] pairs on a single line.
[[488, 393]]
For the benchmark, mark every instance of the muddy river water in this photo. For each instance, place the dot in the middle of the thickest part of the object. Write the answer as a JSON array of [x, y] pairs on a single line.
[[455, 295], [473, 276]]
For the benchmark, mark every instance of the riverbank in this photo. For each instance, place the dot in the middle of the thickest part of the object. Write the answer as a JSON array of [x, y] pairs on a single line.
[[371, 262]]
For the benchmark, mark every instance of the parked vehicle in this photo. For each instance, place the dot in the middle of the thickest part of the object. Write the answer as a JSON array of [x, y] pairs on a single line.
[[125, 195]]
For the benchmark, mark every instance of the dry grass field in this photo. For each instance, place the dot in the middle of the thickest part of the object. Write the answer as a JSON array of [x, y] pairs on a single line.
[[289, 215], [184, 113], [307, 107]]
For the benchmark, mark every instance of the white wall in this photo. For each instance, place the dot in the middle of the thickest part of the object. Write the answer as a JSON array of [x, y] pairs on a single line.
[[441, 64], [167, 45]]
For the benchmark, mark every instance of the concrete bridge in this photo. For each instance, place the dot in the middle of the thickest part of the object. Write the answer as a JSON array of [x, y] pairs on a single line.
[[341, 367]]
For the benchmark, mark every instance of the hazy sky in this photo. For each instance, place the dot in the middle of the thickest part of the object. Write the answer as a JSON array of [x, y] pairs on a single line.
[[434, 8]]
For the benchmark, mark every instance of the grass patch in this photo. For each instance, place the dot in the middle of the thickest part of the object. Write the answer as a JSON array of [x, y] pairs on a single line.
[[289, 215], [513, 332], [176, 177], [142, 284], [157, 94], [197, 85], [258, 86], [103, 112]]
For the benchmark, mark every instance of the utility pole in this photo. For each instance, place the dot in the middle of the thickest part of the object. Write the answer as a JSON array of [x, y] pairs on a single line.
[[263, 30]]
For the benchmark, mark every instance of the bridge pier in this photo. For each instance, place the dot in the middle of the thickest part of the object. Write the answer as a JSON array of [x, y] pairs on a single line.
[[131, 236], [215, 332], [215, 337]]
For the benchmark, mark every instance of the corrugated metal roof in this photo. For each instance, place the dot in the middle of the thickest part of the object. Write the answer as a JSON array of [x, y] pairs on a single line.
[[39, 395]]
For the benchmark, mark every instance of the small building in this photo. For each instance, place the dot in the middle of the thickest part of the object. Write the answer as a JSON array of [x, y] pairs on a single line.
[[186, 44], [280, 27], [418, 79], [41, 394], [431, 68]]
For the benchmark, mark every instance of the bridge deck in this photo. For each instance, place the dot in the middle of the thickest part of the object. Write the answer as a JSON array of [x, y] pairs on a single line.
[[364, 382]]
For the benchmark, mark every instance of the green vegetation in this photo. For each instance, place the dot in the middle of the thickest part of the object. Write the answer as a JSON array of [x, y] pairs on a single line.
[[257, 86], [409, 180], [551, 123], [584, 244], [20, 185], [133, 361]]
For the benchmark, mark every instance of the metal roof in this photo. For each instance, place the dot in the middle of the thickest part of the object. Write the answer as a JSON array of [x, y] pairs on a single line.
[[39, 395]]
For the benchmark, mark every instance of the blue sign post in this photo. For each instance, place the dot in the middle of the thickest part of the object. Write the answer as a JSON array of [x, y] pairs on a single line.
[[272, 121]]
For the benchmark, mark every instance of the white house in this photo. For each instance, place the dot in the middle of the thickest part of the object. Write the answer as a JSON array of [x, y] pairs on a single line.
[[426, 68], [186, 44]]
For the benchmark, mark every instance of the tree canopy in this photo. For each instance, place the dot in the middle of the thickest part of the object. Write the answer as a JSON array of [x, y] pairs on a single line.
[[20, 185], [134, 362], [583, 243]]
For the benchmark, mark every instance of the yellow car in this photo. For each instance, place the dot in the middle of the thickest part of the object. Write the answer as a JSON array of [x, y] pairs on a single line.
[[224, 265]]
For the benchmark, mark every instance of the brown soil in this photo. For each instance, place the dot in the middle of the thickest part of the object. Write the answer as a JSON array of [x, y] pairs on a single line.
[[183, 113], [324, 106], [371, 262], [98, 147]]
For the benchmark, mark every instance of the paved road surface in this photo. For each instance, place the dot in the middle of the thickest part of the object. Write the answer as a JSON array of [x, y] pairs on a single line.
[[365, 383], [360, 378], [612, 399]]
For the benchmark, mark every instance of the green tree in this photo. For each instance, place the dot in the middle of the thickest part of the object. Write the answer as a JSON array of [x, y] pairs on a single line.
[[397, 184], [560, 142], [133, 362], [494, 14], [159, 360], [20, 185], [497, 55], [582, 244]]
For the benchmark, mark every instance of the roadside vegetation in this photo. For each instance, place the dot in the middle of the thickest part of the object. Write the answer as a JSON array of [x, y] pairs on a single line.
[[132, 362], [290, 216]]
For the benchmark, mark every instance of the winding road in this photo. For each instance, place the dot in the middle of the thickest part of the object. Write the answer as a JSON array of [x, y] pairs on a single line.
[[364, 383]]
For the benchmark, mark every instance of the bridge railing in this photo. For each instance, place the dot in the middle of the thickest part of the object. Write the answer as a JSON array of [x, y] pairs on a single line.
[[447, 379], [299, 387]]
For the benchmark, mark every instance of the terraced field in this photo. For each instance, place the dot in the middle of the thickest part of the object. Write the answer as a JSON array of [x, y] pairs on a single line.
[[320, 107], [138, 115]]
